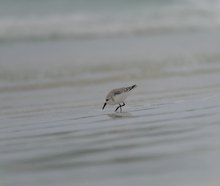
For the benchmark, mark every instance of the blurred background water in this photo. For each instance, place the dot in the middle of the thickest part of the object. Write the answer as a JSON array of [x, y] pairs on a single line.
[[83, 19], [59, 59]]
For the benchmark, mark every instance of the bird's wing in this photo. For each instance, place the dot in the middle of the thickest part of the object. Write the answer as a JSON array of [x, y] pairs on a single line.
[[117, 92]]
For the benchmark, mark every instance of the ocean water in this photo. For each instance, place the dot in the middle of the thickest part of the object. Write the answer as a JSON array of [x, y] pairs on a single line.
[[59, 59], [83, 19]]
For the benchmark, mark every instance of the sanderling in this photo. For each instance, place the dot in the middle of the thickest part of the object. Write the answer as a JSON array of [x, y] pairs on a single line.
[[117, 96]]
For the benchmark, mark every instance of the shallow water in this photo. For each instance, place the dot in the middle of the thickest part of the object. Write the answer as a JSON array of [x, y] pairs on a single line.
[[166, 142], [53, 131]]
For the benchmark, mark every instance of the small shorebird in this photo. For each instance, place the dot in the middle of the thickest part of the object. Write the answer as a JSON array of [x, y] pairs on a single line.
[[117, 96]]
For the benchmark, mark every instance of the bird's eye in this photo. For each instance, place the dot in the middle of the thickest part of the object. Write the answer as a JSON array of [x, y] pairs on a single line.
[[106, 99]]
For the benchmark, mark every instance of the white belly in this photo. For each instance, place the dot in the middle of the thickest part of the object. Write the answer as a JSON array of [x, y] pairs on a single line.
[[119, 98]]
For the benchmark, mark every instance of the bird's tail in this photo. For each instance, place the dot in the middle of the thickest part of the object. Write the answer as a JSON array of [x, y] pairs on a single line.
[[132, 87]]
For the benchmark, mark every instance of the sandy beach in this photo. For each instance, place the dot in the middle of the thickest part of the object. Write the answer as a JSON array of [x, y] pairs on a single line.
[[59, 60], [54, 132]]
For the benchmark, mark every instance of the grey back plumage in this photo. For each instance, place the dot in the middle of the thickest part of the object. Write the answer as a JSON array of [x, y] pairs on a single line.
[[118, 91]]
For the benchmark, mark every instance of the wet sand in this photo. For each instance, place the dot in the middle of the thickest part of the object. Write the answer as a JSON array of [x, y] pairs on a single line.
[[53, 131]]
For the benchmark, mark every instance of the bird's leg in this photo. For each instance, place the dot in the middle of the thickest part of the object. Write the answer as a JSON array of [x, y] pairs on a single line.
[[122, 106], [118, 107]]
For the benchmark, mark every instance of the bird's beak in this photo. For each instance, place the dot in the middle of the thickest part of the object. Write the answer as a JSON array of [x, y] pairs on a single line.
[[104, 105]]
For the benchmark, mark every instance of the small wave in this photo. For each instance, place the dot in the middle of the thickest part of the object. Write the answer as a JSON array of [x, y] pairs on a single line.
[[18, 78], [176, 17]]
